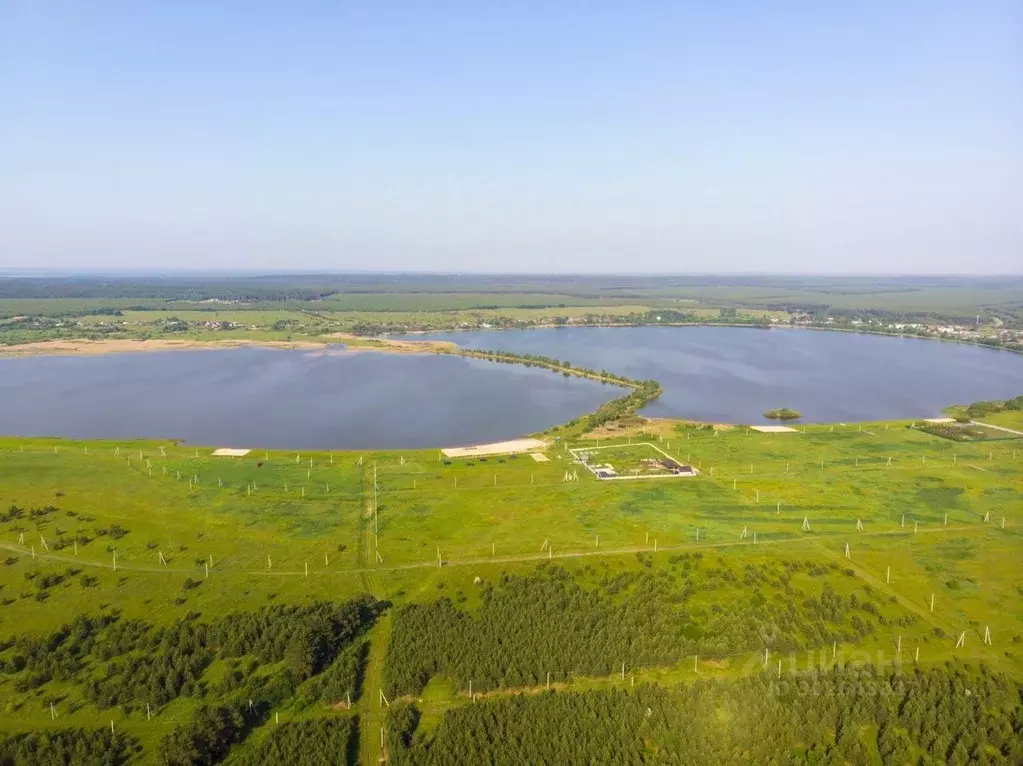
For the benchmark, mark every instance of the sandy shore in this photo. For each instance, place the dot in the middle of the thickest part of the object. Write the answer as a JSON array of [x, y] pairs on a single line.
[[83, 347]]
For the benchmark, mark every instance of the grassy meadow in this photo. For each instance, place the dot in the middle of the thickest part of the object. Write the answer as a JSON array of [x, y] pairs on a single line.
[[160, 531]]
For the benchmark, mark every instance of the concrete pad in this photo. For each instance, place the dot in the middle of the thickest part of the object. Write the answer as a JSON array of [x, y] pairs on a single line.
[[228, 452], [538, 457], [774, 429]]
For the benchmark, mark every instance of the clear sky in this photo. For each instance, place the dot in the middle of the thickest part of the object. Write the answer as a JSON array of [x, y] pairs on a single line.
[[513, 136]]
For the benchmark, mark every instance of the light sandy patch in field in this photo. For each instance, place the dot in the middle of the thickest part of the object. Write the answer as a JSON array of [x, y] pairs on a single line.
[[357, 343], [774, 429], [94, 347], [498, 448], [538, 457], [229, 452]]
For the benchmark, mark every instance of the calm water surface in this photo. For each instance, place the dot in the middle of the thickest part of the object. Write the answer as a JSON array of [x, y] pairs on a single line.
[[733, 374], [254, 397]]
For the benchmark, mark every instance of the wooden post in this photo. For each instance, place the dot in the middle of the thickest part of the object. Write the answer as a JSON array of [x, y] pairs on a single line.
[[779, 668], [888, 574], [623, 671], [307, 569], [696, 662], [206, 566], [961, 642], [932, 602], [834, 649], [767, 656], [548, 679], [149, 713], [898, 645]]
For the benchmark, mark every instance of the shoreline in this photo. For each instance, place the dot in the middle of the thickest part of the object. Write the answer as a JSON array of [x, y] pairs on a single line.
[[337, 342], [388, 343]]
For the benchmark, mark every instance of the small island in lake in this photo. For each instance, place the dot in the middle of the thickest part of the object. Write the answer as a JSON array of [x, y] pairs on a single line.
[[782, 414]]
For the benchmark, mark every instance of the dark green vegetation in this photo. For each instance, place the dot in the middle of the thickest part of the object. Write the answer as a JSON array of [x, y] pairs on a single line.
[[783, 413], [950, 715], [139, 667], [315, 742], [528, 627], [71, 747], [982, 409]]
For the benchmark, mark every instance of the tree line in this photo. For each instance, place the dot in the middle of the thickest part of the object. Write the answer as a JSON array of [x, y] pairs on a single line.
[[952, 714], [643, 391], [530, 625], [70, 747], [146, 664]]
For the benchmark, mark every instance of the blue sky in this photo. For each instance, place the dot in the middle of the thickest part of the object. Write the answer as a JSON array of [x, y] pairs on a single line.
[[530, 136]]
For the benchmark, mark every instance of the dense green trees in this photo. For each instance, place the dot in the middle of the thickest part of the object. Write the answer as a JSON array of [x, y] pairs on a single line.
[[782, 413], [142, 663], [980, 409], [206, 739], [844, 715], [315, 742], [71, 747], [135, 664], [527, 627]]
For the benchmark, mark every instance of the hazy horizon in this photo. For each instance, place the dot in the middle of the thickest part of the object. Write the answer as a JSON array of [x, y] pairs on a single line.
[[786, 139]]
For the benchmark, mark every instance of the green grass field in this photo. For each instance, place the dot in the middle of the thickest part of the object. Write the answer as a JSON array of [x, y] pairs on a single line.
[[292, 528]]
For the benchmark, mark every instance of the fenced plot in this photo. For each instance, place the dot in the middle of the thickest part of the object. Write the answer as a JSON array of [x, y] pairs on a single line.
[[631, 461]]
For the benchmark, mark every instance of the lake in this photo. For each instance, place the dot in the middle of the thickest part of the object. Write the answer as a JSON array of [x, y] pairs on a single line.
[[734, 374], [258, 397]]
